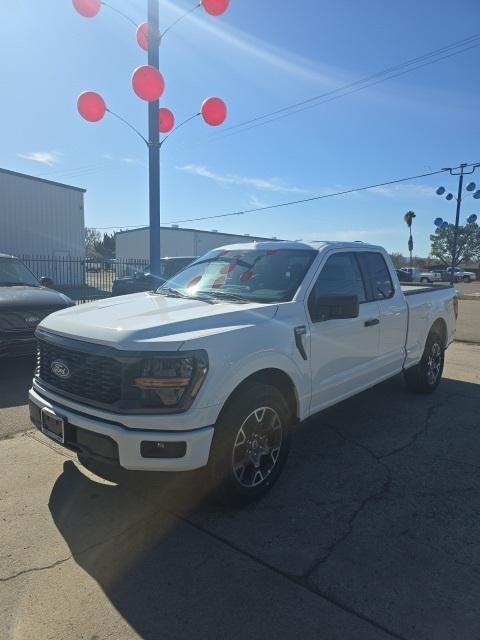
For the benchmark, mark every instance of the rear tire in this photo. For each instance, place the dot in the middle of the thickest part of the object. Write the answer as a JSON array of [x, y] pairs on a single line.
[[467, 279], [425, 376], [424, 280], [250, 444]]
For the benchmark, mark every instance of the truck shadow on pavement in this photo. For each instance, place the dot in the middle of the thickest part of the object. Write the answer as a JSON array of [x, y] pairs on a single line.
[[371, 531]]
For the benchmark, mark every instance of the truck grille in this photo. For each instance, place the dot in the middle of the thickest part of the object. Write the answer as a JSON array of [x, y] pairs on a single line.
[[27, 319], [90, 377]]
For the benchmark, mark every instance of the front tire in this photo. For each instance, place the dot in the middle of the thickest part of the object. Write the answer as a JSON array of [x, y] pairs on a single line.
[[424, 280], [426, 375], [250, 444], [467, 279]]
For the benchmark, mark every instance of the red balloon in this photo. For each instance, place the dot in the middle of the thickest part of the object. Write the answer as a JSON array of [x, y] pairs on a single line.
[[148, 83], [166, 120], [214, 111], [91, 106], [142, 36], [87, 8], [215, 7]]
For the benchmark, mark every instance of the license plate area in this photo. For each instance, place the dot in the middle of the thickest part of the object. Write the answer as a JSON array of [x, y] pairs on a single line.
[[52, 425]]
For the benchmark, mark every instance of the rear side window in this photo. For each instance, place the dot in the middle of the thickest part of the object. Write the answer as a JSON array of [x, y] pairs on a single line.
[[340, 276], [378, 275]]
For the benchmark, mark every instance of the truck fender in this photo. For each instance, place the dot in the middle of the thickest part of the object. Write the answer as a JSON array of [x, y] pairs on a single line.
[[240, 371]]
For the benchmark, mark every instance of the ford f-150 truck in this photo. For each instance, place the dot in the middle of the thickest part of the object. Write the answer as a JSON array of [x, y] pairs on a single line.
[[219, 364]]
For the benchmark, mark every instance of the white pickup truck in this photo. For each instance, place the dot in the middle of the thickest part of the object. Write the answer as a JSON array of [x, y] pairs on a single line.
[[422, 276], [219, 364]]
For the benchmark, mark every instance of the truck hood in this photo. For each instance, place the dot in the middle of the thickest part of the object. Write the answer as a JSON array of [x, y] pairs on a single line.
[[25, 297], [146, 321]]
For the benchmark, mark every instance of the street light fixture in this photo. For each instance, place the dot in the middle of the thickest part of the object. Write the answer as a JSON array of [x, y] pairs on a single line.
[[439, 222], [148, 84]]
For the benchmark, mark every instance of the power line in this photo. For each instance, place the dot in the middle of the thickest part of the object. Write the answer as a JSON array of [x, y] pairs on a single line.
[[293, 202], [382, 76], [311, 199]]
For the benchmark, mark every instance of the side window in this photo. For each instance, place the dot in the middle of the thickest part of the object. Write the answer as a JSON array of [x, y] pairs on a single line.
[[378, 274], [340, 276]]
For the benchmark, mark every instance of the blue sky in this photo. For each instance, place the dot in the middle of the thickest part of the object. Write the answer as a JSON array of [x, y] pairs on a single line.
[[259, 56]]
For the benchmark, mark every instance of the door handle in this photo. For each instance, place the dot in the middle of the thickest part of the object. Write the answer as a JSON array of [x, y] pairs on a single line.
[[372, 322]]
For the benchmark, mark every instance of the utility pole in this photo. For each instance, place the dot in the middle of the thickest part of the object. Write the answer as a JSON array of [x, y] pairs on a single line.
[[442, 224], [457, 222], [154, 144]]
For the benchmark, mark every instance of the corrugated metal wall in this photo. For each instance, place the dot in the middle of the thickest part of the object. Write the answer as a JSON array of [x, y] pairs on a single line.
[[40, 218], [173, 242]]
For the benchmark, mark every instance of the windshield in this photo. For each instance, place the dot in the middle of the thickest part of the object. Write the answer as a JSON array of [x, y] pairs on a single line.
[[14, 272], [243, 275]]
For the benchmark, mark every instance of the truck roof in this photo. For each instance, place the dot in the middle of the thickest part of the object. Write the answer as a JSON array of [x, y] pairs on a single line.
[[319, 245]]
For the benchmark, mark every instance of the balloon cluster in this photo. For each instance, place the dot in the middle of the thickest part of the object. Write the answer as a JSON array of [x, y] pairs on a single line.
[[90, 8], [147, 82], [440, 223]]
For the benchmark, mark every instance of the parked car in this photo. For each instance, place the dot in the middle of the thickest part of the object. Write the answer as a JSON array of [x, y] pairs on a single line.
[[143, 280], [461, 275], [430, 277], [221, 363], [24, 301], [418, 275], [403, 276], [92, 266]]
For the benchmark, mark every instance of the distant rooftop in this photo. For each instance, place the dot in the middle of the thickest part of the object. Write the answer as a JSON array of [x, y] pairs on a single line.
[[212, 232], [29, 177]]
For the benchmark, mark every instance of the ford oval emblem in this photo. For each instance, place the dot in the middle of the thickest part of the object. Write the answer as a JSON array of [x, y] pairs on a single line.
[[60, 369]]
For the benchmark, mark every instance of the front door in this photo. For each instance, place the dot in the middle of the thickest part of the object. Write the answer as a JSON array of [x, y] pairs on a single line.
[[343, 353]]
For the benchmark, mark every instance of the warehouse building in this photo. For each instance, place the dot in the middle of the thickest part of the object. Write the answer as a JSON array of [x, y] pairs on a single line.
[[174, 242], [42, 218]]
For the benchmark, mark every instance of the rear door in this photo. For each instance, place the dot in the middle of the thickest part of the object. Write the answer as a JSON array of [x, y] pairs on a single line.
[[384, 289], [344, 352]]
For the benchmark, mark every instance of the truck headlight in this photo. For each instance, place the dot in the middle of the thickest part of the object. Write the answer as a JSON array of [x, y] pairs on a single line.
[[171, 382]]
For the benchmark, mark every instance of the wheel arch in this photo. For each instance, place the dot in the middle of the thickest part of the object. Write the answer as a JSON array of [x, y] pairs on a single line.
[[275, 377], [440, 327]]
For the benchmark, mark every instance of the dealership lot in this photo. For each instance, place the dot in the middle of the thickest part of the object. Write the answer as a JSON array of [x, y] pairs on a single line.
[[373, 531]]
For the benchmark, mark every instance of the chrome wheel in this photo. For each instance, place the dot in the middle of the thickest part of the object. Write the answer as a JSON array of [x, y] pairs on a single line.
[[434, 363], [257, 447]]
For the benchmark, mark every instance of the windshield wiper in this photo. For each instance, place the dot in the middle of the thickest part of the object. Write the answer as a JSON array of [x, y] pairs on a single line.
[[175, 293], [227, 295], [170, 291]]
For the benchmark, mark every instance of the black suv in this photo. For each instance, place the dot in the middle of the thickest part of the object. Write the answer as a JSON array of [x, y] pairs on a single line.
[[24, 301], [144, 281]]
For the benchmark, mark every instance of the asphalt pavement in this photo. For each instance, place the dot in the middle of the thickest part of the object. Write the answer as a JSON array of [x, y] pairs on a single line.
[[373, 531]]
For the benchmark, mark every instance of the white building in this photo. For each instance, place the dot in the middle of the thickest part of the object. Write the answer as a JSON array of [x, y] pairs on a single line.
[[44, 219], [174, 242]]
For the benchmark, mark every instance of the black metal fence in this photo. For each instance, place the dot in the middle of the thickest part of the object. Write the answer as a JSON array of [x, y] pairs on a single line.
[[82, 279]]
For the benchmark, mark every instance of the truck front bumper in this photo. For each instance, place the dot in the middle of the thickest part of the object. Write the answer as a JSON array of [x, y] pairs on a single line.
[[133, 449]]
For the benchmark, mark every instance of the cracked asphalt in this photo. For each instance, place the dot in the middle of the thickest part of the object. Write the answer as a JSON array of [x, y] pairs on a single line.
[[372, 532]]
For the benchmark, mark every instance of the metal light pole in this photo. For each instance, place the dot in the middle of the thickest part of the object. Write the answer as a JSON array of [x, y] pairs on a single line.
[[148, 84], [440, 192], [154, 145]]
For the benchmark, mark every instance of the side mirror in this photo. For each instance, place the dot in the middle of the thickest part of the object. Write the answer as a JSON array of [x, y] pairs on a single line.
[[334, 308], [46, 282]]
